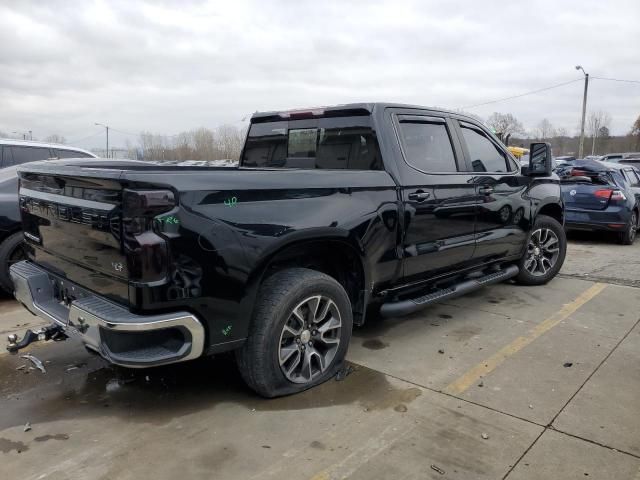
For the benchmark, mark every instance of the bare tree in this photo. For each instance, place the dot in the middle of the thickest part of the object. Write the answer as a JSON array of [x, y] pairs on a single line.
[[635, 132], [545, 130], [595, 122], [55, 138], [504, 125]]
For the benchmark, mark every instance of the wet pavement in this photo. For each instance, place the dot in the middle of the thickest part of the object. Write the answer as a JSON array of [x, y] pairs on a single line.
[[509, 382]]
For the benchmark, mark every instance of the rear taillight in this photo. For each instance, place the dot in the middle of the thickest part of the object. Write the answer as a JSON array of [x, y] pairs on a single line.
[[610, 194], [146, 251], [605, 193], [578, 173], [618, 195]]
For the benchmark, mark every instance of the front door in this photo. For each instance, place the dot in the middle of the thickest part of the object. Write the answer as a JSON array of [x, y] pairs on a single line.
[[438, 198], [503, 210]]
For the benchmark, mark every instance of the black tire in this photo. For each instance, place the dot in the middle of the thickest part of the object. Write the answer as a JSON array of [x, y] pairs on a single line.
[[525, 277], [10, 251], [629, 235], [258, 360]]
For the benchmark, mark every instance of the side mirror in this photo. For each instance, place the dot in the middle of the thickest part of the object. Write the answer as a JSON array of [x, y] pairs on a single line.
[[540, 159]]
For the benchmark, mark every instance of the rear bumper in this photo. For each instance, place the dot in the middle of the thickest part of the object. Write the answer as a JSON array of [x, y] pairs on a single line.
[[613, 219], [121, 337]]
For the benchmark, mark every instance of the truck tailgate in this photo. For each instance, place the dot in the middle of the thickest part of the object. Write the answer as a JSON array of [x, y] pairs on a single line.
[[73, 226]]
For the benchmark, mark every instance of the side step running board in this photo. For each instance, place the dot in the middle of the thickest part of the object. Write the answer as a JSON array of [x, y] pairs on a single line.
[[405, 307]]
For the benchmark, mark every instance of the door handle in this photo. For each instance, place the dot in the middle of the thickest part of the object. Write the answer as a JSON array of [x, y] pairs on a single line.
[[486, 190], [419, 196]]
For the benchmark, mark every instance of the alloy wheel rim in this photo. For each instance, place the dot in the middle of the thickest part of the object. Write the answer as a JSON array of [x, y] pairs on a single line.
[[543, 251], [310, 339]]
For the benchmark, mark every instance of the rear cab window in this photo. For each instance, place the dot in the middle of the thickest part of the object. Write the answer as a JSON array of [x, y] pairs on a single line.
[[343, 143]]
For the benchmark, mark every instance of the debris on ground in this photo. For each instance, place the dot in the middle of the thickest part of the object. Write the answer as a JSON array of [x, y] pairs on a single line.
[[437, 469], [567, 364], [35, 361], [344, 373], [27, 427], [441, 351], [71, 368], [485, 436], [21, 367], [481, 384], [530, 406]]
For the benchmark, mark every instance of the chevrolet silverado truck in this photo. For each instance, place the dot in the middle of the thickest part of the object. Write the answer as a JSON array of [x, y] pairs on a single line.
[[333, 214]]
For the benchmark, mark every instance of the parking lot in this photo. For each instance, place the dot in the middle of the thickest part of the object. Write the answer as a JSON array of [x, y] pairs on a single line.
[[509, 382]]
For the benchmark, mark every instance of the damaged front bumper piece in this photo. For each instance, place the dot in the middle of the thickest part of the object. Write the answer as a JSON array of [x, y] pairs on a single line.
[[121, 337]]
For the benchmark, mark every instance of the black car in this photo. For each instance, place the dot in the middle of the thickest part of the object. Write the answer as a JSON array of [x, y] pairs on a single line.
[[333, 213], [12, 154], [601, 196]]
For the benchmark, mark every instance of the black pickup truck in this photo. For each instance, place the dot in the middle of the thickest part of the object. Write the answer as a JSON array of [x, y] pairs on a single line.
[[332, 215]]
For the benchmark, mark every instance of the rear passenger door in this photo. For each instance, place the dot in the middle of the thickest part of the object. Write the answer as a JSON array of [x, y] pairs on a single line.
[[437, 196], [501, 205]]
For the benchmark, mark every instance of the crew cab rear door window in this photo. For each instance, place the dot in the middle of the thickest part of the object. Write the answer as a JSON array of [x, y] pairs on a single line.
[[426, 144], [344, 143], [484, 155]]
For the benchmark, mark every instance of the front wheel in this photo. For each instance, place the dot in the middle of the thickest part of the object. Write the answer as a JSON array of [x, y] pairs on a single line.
[[545, 252], [299, 333]]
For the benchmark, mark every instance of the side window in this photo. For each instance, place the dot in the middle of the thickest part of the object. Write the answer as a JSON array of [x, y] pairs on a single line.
[[631, 177], [27, 154], [70, 154], [427, 146], [485, 155]]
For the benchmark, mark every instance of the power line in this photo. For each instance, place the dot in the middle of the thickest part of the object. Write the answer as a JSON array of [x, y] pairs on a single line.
[[85, 138], [617, 80], [523, 94]]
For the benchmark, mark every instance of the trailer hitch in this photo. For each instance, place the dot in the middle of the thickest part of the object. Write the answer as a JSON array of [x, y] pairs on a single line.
[[51, 332]]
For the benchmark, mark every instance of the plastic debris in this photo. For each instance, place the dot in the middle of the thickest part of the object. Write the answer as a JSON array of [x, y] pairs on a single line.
[[35, 361], [530, 406], [484, 436], [344, 373], [27, 427], [437, 469], [568, 364]]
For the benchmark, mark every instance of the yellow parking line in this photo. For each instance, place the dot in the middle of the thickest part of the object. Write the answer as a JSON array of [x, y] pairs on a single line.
[[483, 368]]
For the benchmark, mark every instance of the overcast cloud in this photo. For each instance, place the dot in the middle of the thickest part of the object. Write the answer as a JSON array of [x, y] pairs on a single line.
[[172, 66]]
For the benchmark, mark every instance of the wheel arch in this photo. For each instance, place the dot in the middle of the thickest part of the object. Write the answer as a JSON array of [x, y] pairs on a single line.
[[553, 210], [337, 256]]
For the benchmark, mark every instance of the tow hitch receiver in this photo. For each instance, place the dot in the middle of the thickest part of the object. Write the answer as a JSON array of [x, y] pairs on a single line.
[[50, 332]]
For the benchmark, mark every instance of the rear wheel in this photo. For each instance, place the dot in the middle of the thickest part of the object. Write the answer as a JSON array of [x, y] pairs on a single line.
[[544, 256], [299, 334], [11, 251], [629, 235]]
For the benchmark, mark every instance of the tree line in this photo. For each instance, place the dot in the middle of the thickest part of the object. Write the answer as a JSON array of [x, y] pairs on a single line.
[[226, 141], [598, 139]]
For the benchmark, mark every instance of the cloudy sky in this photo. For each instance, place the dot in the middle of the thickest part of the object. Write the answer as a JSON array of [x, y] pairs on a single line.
[[171, 66]]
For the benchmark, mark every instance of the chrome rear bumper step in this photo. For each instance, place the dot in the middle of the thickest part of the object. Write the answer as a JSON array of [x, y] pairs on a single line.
[[121, 337]]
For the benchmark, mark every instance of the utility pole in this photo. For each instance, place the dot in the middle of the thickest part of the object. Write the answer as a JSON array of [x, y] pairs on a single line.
[[584, 111], [107, 127]]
